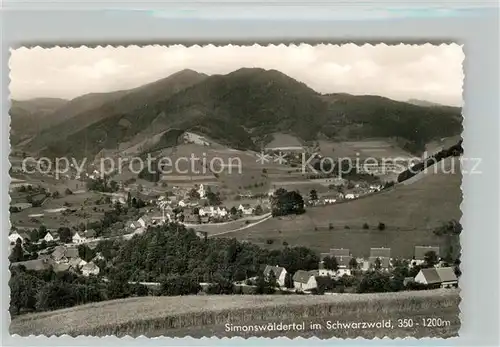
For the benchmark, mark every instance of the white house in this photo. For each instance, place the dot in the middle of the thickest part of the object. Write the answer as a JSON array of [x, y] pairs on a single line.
[[245, 209], [90, 269], [201, 191], [304, 281], [182, 203], [350, 196], [442, 276], [77, 238], [145, 221], [279, 273], [14, 236], [48, 237]]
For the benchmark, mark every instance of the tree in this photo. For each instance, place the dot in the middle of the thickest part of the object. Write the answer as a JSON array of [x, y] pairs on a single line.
[[284, 203], [366, 226], [180, 285], [258, 210], [353, 264], [86, 253], [381, 226], [377, 264], [129, 199], [430, 259], [313, 195], [271, 280], [23, 291], [17, 253], [64, 234], [55, 194], [233, 211], [193, 194], [330, 263], [289, 280], [374, 282]]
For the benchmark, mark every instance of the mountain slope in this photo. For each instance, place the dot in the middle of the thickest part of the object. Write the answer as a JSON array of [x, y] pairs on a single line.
[[30, 116], [239, 109], [94, 108]]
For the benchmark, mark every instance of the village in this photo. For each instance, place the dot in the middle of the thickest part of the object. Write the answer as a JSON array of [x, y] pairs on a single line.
[[62, 247]]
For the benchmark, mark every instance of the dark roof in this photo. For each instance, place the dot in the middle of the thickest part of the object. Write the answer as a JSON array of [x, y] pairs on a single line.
[[276, 269], [380, 252], [301, 276], [25, 236], [343, 261], [340, 252], [446, 274], [431, 275], [58, 252], [90, 233], [384, 261], [72, 252], [420, 251]]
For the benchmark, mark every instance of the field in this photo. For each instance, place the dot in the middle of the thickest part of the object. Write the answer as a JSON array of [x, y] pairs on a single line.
[[410, 213], [207, 315], [376, 148], [49, 214]]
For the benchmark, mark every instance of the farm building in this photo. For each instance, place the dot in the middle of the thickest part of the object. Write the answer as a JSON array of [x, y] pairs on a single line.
[[246, 209], [442, 276], [304, 281], [13, 237], [383, 255], [342, 256], [62, 254], [90, 269], [89, 234], [279, 273], [77, 238], [49, 237]]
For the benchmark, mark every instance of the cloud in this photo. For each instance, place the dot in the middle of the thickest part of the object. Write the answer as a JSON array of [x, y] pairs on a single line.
[[400, 72]]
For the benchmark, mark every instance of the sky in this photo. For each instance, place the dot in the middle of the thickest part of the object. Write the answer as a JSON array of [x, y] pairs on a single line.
[[401, 72]]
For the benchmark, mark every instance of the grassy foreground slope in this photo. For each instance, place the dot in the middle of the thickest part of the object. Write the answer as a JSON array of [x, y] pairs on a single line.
[[208, 315], [410, 212]]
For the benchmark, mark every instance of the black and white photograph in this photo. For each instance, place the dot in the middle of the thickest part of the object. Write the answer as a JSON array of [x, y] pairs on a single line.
[[237, 190]]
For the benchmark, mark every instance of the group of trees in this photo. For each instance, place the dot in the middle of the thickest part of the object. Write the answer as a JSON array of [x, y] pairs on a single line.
[[284, 203], [104, 185], [47, 290], [454, 151]]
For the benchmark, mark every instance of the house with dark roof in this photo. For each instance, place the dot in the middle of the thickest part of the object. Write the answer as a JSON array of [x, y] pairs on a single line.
[[89, 234], [443, 276], [279, 274], [304, 281], [421, 251], [383, 255], [59, 254], [343, 258]]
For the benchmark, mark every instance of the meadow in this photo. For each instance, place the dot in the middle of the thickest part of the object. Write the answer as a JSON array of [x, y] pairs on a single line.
[[410, 212], [203, 315]]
